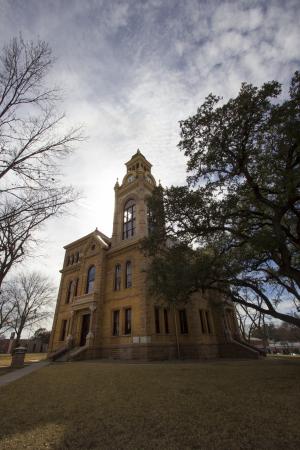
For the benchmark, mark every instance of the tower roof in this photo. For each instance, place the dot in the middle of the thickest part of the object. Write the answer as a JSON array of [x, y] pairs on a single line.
[[138, 157]]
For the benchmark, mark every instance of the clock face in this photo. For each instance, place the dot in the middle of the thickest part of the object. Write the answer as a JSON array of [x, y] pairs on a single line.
[[149, 179], [131, 178]]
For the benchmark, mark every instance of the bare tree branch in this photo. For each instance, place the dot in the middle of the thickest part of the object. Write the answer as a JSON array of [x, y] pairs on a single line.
[[32, 296], [33, 142]]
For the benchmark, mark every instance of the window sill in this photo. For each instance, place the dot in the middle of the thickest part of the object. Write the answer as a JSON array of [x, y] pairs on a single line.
[[121, 335]]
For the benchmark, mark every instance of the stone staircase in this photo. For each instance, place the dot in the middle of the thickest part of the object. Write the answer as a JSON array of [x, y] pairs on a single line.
[[237, 349], [72, 355], [58, 353]]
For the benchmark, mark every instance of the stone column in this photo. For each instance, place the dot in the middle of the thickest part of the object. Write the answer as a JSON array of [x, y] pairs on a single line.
[[90, 335], [69, 339], [115, 236]]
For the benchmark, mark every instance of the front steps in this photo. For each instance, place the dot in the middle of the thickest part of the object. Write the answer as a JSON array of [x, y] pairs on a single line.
[[66, 354], [75, 353], [236, 349], [233, 350]]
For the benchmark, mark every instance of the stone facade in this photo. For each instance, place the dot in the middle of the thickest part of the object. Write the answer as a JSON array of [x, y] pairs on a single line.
[[103, 310]]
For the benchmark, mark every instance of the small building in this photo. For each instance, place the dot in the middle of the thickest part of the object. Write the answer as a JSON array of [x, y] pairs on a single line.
[[285, 348], [103, 309]]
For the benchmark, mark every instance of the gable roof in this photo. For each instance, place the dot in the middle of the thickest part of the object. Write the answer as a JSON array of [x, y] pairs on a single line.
[[98, 235]]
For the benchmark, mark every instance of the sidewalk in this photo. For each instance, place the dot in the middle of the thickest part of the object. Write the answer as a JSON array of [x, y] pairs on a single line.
[[19, 373]]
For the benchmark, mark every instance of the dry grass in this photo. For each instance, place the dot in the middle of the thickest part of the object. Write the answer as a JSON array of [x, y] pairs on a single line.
[[96, 405], [30, 358]]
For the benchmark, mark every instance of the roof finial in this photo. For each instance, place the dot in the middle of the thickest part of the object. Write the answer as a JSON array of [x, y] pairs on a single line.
[[138, 151]]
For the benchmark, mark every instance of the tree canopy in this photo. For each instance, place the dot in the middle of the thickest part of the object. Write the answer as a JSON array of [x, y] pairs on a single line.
[[43, 334], [282, 333], [235, 225]]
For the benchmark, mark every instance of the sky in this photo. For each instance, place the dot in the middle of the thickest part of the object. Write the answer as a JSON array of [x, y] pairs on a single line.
[[130, 71]]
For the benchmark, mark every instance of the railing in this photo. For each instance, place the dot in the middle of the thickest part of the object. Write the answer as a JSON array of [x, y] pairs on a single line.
[[59, 352], [252, 347]]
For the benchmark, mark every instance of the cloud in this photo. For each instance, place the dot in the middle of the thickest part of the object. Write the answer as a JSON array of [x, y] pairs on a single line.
[[132, 69]]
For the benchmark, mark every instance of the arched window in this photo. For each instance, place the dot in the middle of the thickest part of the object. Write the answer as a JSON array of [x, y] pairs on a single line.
[[129, 220], [117, 280], [90, 280], [128, 274]]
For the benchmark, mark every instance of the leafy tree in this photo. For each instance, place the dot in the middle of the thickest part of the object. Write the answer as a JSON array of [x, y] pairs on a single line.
[[280, 333], [32, 144], [235, 226], [42, 334]]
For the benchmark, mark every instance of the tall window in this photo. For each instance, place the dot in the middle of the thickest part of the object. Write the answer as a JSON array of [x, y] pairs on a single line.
[[69, 292], [90, 280], [129, 220], [202, 321], [205, 321], [128, 275], [76, 287], [116, 321], [157, 322], [183, 321], [63, 330], [117, 280], [166, 320], [127, 327], [208, 322]]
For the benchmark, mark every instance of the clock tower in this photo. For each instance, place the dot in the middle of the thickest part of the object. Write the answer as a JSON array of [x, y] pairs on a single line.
[[130, 216], [104, 309]]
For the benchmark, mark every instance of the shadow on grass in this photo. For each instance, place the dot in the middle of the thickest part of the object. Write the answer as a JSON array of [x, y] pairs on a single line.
[[91, 405], [4, 370]]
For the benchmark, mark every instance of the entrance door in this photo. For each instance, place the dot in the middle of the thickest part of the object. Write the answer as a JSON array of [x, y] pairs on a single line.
[[84, 328]]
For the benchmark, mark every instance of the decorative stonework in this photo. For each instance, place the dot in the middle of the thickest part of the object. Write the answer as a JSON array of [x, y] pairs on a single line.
[[90, 319]]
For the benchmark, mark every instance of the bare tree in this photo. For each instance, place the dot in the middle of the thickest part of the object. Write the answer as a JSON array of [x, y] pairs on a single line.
[[32, 143], [249, 321], [6, 309], [32, 296]]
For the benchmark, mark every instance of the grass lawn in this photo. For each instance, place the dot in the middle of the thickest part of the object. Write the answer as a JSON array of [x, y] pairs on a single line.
[[30, 358], [97, 405]]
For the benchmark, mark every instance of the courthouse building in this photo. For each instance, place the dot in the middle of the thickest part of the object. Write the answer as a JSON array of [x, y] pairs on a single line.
[[103, 308]]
